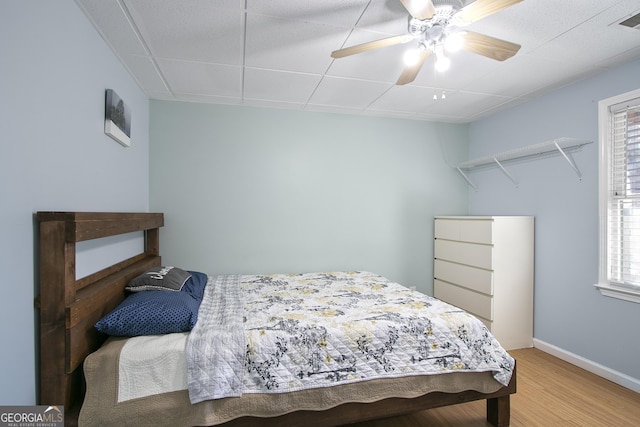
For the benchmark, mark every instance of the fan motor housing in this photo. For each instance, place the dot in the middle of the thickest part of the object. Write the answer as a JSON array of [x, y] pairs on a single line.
[[455, 4]]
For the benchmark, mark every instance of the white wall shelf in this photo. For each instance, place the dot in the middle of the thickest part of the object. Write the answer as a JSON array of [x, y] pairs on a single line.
[[563, 146]]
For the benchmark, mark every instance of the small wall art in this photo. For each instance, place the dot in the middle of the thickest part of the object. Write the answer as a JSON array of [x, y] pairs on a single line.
[[117, 118]]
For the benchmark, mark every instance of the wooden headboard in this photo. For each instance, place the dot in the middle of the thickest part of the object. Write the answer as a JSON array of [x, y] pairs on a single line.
[[68, 307]]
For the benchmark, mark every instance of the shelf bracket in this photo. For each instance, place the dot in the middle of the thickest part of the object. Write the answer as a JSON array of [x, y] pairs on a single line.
[[466, 178], [505, 171], [568, 159]]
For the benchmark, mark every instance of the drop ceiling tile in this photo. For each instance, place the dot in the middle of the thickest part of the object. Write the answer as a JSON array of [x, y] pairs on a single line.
[[462, 103], [612, 39], [195, 78], [349, 93], [280, 44], [278, 85], [146, 74], [406, 99], [533, 23], [200, 30], [330, 12], [111, 21], [522, 75], [385, 17]]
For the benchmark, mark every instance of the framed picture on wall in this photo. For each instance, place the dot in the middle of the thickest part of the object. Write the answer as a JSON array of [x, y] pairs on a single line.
[[117, 118]]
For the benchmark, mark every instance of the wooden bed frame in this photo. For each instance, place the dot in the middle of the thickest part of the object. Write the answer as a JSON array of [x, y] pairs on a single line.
[[69, 308]]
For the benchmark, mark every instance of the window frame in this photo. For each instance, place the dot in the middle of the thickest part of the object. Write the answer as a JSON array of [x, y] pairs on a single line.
[[606, 287]]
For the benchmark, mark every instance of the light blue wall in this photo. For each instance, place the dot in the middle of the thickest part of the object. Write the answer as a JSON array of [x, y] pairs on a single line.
[[54, 155], [569, 312], [248, 190]]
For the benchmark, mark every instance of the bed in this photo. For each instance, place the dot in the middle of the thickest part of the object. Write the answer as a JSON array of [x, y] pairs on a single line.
[[70, 308]]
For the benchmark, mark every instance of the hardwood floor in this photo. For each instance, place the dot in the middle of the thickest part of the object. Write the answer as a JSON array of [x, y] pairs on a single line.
[[551, 392]]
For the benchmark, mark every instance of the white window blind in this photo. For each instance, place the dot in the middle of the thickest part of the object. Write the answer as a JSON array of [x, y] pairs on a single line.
[[624, 196]]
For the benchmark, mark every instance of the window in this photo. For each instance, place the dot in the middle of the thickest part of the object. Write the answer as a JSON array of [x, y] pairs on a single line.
[[619, 122]]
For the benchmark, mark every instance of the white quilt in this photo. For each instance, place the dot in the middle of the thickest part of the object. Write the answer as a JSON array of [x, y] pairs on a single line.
[[152, 365], [216, 345], [322, 329]]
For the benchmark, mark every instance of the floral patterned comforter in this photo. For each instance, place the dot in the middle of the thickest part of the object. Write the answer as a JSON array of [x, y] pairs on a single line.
[[322, 329]]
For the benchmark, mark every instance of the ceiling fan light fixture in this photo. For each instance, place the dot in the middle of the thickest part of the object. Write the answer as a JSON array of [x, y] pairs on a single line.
[[454, 41], [433, 24], [416, 27], [411, 57]]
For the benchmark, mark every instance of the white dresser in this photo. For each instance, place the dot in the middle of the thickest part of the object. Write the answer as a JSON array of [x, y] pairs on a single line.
[[484, 265]]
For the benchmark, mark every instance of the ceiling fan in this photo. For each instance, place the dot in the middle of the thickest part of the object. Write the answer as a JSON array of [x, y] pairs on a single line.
[[436, 26]]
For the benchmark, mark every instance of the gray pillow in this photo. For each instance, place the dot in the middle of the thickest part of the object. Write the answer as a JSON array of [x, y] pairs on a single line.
[[159, 279]]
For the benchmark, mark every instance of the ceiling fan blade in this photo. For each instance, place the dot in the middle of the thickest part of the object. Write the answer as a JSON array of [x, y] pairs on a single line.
[[420, 9], [410, 72], [480, 9], [376, 44], [488, 46]]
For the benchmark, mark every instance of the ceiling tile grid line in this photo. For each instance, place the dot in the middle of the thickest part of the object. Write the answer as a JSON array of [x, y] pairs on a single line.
[[108, 35], [244, 51], [331, 63], [136, 31]]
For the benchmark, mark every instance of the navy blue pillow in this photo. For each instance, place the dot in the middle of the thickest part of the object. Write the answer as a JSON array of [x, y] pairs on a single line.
[[156, 312], [195, 285]]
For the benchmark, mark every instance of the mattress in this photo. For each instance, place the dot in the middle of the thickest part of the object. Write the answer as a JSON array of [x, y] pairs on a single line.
[[308, 319]]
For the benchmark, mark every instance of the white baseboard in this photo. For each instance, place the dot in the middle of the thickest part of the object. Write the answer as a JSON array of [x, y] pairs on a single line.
[[588, 365]]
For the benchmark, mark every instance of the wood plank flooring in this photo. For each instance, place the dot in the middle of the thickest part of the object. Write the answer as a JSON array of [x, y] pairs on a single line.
[[551, 392]]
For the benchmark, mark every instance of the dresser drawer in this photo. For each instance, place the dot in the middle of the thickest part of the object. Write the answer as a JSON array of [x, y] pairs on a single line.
[[476, 279], [464, 253], [464, 230], [473, 302]]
